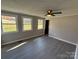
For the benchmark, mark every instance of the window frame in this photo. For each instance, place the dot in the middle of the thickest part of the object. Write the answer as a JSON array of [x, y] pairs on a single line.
[[43, 24], [23, 24], [13, 15]]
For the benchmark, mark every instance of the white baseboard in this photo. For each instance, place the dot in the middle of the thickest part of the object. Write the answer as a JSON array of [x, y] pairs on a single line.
[[76, 53], [36, 36], [62, 40], [21, 39]]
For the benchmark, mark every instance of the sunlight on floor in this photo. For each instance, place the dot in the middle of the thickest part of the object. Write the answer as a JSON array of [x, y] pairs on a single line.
[[16, 46]]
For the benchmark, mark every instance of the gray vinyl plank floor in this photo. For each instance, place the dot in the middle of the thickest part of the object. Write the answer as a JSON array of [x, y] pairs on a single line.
[[43, 47]]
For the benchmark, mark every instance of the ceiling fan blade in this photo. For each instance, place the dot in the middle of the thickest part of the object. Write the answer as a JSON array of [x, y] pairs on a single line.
[[57, 12], [52, 14]]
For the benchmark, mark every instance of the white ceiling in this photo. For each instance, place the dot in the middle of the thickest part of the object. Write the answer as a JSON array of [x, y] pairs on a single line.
[[39, 7]]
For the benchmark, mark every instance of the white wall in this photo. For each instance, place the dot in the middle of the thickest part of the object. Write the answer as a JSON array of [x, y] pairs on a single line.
[[64, 28]]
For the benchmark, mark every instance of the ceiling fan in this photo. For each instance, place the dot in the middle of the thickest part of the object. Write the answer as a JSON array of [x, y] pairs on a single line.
[[52, 13]]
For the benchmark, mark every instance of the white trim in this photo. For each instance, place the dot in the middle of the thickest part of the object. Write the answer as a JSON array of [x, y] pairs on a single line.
[[62, 40], [21, 39], [76, 52]]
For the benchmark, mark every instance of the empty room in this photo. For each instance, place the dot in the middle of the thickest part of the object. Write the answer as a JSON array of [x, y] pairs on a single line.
[[39, 29]]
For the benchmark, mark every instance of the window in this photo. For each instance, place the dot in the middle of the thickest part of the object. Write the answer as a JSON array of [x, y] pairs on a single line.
[[27, 24], [40, 24], [8, 23]]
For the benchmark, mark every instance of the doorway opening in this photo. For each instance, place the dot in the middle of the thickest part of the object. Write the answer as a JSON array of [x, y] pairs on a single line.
[[46, 27]]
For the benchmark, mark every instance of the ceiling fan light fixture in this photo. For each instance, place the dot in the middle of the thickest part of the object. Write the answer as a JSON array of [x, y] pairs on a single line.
[[49, 15]]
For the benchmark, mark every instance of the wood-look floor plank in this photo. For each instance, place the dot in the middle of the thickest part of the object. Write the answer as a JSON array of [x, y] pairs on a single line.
[[40, 48]]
